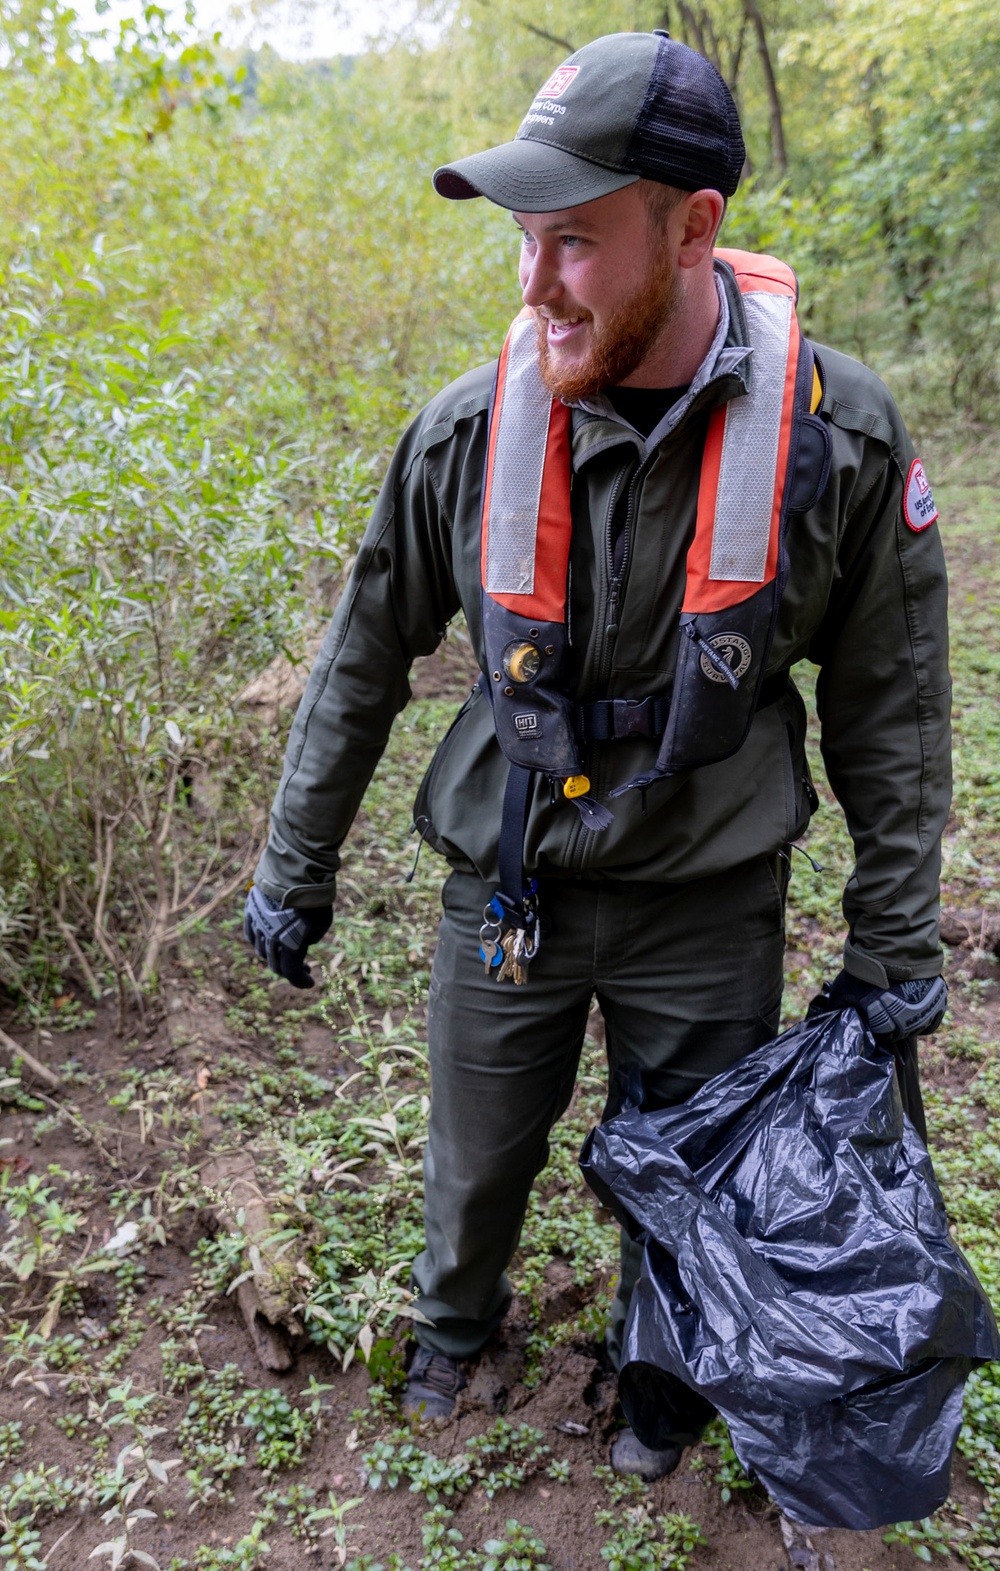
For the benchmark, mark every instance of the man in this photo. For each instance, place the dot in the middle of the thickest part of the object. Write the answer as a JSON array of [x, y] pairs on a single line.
[[618, 796]]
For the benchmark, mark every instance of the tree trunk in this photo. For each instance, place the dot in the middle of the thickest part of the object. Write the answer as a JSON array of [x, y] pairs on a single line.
[[778, 151], [692, 26], [870, 83], [697, 31]]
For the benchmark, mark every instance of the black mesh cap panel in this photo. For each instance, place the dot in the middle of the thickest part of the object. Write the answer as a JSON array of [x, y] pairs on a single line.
[[687, 133]]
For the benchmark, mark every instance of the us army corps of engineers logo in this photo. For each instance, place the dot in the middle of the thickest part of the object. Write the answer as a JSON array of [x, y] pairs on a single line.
[[735, 650], [918, 499]]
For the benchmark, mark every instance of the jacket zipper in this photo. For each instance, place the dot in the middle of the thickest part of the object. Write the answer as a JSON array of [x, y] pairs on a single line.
[[616, 580], [578, 854]]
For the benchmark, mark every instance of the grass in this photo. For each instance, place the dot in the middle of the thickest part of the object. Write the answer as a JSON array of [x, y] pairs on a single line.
[[127, 1426]]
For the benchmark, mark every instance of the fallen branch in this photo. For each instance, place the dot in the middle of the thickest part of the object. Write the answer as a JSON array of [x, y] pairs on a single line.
[[800, 1549], [41, 1071], [231, 1178], [971, 930], [267, 1292], [269, 1341]]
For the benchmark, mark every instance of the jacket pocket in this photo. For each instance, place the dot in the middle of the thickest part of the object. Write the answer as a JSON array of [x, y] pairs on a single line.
[[803, 800], [423, 816]]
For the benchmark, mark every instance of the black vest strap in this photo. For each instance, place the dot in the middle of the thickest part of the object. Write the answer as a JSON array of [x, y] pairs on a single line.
[[610, 719], [512, 824]]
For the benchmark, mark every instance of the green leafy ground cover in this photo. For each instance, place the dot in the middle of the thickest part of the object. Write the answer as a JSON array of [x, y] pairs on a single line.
[[135, 1424]]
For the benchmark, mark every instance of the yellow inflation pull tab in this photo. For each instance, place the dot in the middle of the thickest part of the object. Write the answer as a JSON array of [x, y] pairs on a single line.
[[576, 785]]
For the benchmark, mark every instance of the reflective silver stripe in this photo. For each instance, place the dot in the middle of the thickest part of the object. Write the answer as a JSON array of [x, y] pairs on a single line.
[[518, 463], [747, 472]]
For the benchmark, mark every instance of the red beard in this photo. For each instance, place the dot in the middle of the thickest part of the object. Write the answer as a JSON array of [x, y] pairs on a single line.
[[620, 346]]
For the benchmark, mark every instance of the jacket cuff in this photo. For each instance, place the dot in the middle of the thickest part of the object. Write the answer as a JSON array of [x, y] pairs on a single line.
[[882, 973], [301, 897], [292, 877]]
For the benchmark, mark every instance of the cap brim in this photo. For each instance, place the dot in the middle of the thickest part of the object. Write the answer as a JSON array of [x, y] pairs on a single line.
[[529, 177]]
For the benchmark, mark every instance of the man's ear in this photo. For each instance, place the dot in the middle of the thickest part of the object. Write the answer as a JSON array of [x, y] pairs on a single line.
[[698, 218]]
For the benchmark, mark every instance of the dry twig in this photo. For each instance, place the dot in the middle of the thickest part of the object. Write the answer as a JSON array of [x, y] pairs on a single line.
[[41, 1071]]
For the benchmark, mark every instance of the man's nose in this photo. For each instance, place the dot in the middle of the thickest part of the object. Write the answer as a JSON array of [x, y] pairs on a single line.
[[539, 279]]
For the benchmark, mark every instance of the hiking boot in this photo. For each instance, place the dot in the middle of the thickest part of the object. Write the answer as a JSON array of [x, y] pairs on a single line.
[[432, 1385], [629, 1455]]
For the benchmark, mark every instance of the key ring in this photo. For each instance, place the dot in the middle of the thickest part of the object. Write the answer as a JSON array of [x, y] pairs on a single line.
[[526, 945]]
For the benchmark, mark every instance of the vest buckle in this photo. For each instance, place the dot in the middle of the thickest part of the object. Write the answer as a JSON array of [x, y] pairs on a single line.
[[633, 717]]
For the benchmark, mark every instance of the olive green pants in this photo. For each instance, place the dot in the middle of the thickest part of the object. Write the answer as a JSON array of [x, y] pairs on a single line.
[[688, 978]]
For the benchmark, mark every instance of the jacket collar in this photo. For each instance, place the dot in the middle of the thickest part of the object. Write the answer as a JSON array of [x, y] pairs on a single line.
[[725, 372]]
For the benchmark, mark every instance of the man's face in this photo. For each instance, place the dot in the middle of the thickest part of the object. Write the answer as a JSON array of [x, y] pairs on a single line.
[[603, 284]]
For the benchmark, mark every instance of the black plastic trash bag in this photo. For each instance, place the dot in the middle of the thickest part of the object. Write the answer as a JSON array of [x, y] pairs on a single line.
[[799, 1275]]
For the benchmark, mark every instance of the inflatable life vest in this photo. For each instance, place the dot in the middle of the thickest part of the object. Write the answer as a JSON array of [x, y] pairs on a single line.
[[765, 454]]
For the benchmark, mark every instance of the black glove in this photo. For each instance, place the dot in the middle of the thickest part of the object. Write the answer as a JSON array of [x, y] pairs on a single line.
[[281, 937], [890, 1013]]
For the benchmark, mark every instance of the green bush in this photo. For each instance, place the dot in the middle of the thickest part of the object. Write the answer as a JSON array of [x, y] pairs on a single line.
[[151, 566]]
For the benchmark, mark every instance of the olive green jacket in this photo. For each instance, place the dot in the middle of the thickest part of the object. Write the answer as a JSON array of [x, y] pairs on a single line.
[[865, 600]]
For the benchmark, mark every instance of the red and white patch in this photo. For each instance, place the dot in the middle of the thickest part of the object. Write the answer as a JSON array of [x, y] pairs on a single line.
[[918, 499], [558, 81]]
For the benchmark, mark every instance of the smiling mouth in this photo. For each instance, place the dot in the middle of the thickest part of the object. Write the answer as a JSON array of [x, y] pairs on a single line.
[[557, 331]]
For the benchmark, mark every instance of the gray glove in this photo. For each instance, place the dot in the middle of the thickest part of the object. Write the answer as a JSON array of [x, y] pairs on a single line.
[[905, 1009], [281, 937]]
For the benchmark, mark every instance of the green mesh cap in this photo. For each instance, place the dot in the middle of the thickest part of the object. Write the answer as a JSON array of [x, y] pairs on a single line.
[[625, 107]]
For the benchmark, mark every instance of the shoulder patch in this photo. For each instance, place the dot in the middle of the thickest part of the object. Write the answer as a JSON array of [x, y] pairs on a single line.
[[918, 500]]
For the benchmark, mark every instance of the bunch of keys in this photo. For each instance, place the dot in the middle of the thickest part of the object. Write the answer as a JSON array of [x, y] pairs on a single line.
[[519, 947], [505, 948]]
